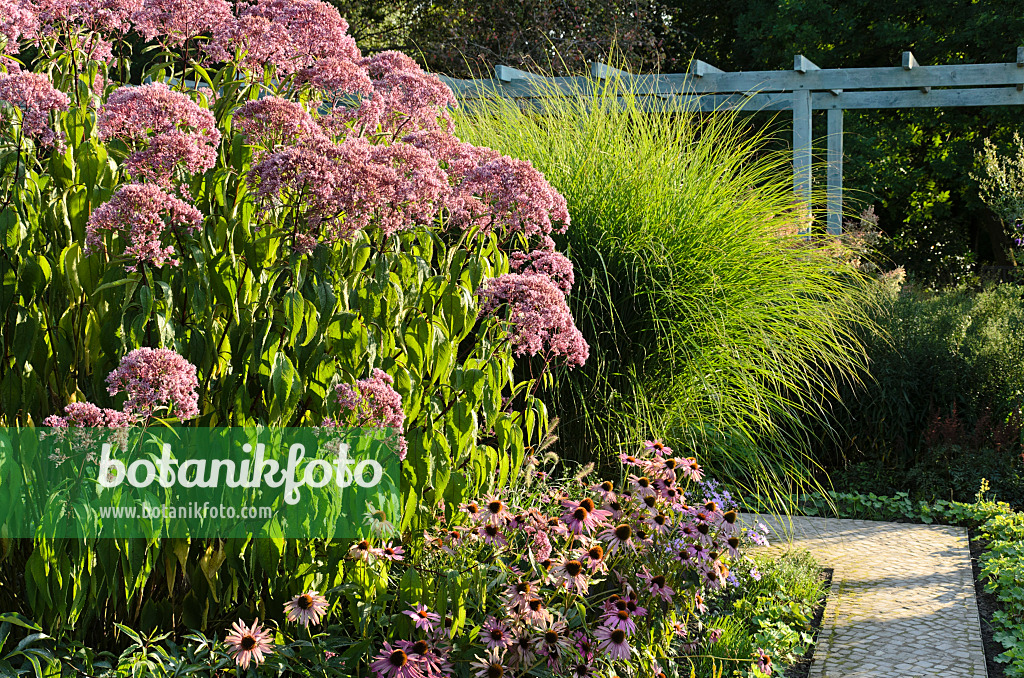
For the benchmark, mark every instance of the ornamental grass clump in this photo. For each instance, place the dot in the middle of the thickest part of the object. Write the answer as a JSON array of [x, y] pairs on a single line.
[[709, 318], [244, 221]]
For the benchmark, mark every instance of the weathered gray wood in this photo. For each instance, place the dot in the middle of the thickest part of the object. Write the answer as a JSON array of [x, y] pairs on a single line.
[[802, 148], [986, 96], [962, 75], [909, 61], [699, 69], [802, 64], [834, 172], [508, 74]]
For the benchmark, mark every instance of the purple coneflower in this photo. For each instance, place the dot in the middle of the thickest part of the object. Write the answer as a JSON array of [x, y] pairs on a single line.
[[496, 635], [494, 511], [361, 550], [691, 469], [491, 665], [523, 648], [395, 663], [492, 535], [614, 642], [659, 448], [763, 661], [393, 553], [249, 644], [619, 535], [620, 619], [306, 608], [421, 653], [520, 593], [583, 516], [572, 574], [423, 618]]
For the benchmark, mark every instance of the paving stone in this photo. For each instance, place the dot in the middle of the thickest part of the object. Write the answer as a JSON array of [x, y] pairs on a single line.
[[902, 601]]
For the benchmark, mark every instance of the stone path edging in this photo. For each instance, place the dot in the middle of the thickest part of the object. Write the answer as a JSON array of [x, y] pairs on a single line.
[[902, 601]]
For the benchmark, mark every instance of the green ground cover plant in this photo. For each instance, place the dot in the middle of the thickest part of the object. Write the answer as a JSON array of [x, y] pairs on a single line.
[[708, 317], [944, 403]]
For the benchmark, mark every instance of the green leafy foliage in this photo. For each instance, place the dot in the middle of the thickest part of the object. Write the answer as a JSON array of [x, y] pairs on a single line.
[[943, 406], [271, 334]]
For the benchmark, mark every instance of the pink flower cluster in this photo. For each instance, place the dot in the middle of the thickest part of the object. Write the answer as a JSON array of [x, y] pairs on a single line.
[[36, 98], [491, 191], [174, 22], [404, 98], [177, 132], [578, 580], [536, 314], [17, 21], [107, 16], [156, 379], [272, 122], [554, 265], [373, 403], [343, 187], [142, 213], [287, 34]]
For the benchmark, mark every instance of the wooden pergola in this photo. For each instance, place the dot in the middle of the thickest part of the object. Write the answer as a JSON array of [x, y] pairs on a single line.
[[803, 90]]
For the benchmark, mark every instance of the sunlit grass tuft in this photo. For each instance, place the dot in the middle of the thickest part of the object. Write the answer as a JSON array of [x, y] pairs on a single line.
[[711, 323]]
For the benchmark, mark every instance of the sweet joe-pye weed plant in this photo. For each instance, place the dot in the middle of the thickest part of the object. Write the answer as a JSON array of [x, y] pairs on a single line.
[[263, 228], [710, 320]]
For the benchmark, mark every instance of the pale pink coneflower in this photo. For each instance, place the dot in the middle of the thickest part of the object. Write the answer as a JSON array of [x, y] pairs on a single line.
[[249, 644], [629, 460], [361, 550], [656, 584], [583, 516], [657, 447], [535, 613], [641, 486], [614, 642], [392, 553], [572, 575], [496, 635], [520, 593], [495, 512], [472, 509], [620, 619], [395, 663], [659, 522], [606, 490], [423, 618], [618, 536], [554, 640], [491, 534], [691, 469], [430, 658], [593, 557], [763, 661], [306, 608], [491, 665], [699, 604], [524, 648]]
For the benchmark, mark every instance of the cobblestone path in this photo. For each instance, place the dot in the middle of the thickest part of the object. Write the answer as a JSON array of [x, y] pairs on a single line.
[[902, 602]]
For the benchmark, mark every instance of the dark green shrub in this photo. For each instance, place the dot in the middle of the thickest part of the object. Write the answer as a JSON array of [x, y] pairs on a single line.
[[942, 408]]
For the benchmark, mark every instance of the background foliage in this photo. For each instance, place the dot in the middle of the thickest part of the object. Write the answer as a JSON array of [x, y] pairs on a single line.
[[913, 166]]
